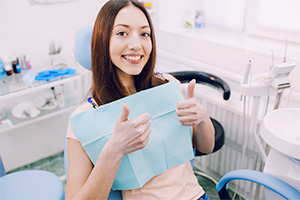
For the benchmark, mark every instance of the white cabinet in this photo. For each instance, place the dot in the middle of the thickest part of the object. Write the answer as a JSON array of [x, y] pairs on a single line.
[[32, 137]]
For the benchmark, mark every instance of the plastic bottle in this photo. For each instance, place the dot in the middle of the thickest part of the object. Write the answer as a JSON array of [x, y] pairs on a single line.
[[16, 66], [2, 70], [199, 20], [3, 82], [7, 62], [59, 96], [189, 19]]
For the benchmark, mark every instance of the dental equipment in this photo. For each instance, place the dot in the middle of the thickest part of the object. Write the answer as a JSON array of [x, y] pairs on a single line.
[[246, 75], [279, 74], [260, 85]]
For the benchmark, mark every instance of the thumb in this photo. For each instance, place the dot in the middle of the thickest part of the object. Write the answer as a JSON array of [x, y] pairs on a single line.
[[124, 114], [191, 88]]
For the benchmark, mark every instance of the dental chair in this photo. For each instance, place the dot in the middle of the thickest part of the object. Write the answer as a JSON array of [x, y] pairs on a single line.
[[82, 51], [278, 186], [30, 184]]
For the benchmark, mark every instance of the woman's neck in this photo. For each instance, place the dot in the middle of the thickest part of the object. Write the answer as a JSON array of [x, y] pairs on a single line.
[[127, 82]]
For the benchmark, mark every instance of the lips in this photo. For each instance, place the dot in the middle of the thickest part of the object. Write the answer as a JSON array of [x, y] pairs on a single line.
[[133, 58]]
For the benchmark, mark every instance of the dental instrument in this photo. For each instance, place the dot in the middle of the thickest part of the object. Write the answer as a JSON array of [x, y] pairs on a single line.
[[246, 75]]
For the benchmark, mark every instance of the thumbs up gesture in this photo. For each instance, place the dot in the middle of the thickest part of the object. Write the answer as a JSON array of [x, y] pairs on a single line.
[[189, 111], [131, 135]]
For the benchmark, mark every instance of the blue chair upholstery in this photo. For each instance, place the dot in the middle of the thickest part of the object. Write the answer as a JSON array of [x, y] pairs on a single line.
[[2, 170], [82, 46], [268, 181], [30, 184]]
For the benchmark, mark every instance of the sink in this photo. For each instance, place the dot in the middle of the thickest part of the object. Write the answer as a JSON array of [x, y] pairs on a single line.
[[281, 130]]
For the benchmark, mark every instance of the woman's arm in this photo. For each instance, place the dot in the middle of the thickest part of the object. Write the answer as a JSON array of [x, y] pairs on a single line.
[[88, 182], [191, 113], [204, 139]]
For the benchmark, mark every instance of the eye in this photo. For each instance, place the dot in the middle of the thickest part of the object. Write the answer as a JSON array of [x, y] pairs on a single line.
[[146, 34], [122, 33]]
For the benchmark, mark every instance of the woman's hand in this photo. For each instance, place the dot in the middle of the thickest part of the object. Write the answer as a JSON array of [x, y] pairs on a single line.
[[131, 135], [189, 111]]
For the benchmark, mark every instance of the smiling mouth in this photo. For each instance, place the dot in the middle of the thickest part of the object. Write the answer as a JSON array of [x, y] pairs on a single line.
[[133, 58]]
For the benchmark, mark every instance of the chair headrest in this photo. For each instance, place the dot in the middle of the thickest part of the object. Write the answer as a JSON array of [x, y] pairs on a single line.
[[82, 46]]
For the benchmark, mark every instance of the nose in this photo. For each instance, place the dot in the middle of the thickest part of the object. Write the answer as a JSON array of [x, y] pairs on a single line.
[[135, 43]]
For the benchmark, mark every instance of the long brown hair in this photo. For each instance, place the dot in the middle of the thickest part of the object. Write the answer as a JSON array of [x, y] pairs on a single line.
[[106, 85]]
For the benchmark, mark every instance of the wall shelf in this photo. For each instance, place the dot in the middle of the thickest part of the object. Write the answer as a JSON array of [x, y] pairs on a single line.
[[29, 139], [22, 89], [19, 123], [37, 87]]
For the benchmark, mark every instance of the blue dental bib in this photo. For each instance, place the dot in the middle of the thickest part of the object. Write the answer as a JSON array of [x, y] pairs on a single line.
[[170, 143]]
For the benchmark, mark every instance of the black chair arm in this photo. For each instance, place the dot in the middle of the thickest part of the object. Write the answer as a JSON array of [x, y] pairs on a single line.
[[203, 78]]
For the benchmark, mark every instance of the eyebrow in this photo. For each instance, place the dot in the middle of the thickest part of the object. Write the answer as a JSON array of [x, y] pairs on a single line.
[[127, 26]]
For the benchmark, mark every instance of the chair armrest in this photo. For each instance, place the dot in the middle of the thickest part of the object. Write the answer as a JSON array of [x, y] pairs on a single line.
[[203, 78], [274, 184]]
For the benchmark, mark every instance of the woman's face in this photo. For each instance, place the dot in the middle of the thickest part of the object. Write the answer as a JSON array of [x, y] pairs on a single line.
[[130, 43]]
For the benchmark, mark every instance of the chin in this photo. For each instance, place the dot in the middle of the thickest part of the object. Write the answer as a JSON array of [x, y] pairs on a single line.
[[130, 70], [133, 72]]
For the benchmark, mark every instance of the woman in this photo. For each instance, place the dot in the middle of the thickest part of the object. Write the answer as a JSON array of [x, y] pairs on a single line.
[[123, 59]]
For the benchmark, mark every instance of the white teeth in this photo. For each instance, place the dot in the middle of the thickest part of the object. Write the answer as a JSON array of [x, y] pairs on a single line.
[[134, 58]]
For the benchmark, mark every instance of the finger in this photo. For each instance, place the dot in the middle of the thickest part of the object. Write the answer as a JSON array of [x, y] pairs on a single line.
[[142, 119], [142, 128], [189, 124], [124, 114], [147, 135], [187, 103], [191, 88], [147, 126], [186, 112], [187, 121], [146, 138]]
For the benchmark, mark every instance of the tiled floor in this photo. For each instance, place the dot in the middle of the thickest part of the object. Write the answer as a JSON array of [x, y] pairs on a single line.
[[55, 164], [209, 187]]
